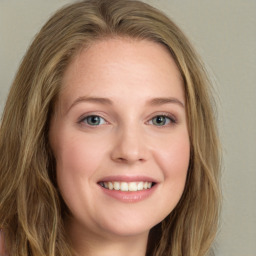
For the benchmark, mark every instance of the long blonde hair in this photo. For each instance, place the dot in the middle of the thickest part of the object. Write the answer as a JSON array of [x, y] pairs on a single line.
[[31, 209]]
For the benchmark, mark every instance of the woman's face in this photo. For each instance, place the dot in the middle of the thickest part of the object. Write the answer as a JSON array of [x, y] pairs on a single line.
[[120, 138]]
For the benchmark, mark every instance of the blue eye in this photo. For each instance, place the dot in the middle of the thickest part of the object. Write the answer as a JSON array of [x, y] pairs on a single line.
[[161, 120], [93, 120]]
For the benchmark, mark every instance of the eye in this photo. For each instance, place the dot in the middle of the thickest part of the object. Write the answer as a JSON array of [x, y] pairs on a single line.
[[93, 120], [161, 120]]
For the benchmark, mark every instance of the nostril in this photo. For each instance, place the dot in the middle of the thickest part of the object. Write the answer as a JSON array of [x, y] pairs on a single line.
[[121, 159], [127, 152], [129, 159]]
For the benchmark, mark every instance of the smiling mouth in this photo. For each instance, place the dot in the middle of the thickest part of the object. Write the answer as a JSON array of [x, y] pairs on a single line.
[[127, 186]]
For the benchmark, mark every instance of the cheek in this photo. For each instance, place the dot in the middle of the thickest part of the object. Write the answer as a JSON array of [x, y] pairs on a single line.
[[76, 157], [173, 158], [70, 159], [75, 166], [77, 162]]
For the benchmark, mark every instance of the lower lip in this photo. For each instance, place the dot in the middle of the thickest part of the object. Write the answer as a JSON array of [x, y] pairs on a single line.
[[129, 197]]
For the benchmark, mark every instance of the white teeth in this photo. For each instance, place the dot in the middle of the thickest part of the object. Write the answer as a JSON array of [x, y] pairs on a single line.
[[116, 185], [133, 186], [110, 185], [140, 185], [126, 186]]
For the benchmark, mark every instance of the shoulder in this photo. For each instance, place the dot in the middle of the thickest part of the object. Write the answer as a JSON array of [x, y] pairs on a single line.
[[2, 250]]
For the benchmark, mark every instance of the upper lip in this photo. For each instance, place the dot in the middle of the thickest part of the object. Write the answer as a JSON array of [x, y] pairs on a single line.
[[123, 178]]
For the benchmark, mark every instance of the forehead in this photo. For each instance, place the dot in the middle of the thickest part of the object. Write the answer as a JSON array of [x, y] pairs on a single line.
[[119, 64]]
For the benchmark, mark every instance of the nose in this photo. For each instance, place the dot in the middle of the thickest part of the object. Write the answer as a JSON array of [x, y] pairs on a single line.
[[129, 147]]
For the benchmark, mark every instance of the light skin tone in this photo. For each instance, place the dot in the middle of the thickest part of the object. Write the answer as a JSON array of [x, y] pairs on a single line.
[[120, 117], [2, 250]]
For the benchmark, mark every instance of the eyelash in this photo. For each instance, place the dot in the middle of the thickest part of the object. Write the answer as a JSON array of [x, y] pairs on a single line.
[[171, 118], [83, 119]]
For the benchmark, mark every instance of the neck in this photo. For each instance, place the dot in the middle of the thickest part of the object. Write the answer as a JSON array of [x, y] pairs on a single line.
[[130, 247], [87, 243]]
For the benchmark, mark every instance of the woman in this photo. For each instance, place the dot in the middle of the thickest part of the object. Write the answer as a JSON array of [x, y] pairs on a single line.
[[108, 143]]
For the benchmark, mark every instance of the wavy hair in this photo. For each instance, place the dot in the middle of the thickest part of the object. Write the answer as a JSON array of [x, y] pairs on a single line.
[[31, 209]]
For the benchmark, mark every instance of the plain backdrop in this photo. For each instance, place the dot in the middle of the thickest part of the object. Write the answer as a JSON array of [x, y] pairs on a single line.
[[224, 33]]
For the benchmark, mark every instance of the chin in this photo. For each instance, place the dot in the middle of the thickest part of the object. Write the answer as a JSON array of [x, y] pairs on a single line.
[[129, 225]]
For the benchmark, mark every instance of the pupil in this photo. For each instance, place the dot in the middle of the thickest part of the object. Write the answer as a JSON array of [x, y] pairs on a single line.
[[160, 120], [94, 120]]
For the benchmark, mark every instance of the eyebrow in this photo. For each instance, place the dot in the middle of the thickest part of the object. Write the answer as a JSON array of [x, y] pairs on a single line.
[[161, 101], [106, 101], [102, 101]]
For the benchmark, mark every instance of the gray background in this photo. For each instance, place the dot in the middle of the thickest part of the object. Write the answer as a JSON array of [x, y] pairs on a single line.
[[224, 33]]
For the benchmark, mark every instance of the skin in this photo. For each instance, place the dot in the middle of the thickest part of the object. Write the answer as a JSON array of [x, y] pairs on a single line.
[[126, 143], [2, 250]]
